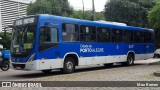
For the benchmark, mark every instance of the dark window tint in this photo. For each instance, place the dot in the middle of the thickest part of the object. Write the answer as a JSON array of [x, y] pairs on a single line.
[[148, 37], [87, 33], [153, 37], [117, 35], [138, 37], [70, 32], [103, 34], [128, 36]]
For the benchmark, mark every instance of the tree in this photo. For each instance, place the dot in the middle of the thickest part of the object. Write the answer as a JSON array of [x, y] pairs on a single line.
[[154, 16], [87, 15], [61, 8], [131, 12], [55, 7], [154, 21], [5, 41]]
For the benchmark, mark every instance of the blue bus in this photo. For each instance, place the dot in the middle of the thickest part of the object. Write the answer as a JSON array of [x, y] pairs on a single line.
[[46, 42]]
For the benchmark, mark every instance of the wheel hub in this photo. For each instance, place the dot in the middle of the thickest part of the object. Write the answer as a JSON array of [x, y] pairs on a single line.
[[69, 65]]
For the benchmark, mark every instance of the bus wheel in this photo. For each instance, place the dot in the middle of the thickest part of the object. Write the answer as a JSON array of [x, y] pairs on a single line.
[[47, 71], [108, 65], [69, 65], [130, 60]]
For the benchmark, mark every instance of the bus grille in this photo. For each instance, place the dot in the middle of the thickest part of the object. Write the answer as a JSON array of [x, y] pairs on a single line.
[[18, 66]]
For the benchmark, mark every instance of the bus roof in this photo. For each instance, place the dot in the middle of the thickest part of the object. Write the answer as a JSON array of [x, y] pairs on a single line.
[[88, 22]]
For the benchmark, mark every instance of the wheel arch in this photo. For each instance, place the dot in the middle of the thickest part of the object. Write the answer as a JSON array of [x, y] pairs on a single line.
[[131, 52], [73, 55]]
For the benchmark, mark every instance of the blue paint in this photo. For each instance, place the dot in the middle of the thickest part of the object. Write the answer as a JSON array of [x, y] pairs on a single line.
[[6, 54], [95, 49]]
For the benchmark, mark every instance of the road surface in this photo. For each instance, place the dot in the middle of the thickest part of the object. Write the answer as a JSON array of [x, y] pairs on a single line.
[[141, 71]]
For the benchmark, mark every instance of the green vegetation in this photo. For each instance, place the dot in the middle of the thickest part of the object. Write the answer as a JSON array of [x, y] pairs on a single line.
[[154, 21], [154, 16], [56, 7], [5, 41], [60, 8], [131, 12], [87, 15]]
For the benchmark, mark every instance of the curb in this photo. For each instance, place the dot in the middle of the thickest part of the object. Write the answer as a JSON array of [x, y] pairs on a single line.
[[157, 73], [155, 63]]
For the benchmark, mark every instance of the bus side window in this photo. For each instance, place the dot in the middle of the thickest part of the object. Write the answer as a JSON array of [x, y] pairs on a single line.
[[138, 37], [152, 38], [128, 36], [103, 34], [117, 35], [70, 32], [44, 34], [87, 33], [48, 38], [148, 37]]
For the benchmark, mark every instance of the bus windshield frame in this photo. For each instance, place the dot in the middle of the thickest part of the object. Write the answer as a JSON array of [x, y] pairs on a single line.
[[23, 38]]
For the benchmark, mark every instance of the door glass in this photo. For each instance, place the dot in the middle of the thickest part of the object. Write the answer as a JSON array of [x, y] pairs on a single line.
[[48, 38]]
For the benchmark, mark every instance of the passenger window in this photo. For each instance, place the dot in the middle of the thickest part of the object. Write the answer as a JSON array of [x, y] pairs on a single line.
[[128, 36], [48, 35], [103, 34], [87, 33], [48, 38], [117, 35], [138, 37], [70, 32], [148, 38], [152, 38]]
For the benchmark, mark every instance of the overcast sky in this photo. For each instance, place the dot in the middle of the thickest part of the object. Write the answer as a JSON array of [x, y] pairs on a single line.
[[77, 4]]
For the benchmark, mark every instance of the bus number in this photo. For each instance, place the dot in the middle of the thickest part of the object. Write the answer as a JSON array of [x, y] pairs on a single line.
[[131, 46]]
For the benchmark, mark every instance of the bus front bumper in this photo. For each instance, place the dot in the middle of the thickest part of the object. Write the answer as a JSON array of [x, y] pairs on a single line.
[[32, 65]]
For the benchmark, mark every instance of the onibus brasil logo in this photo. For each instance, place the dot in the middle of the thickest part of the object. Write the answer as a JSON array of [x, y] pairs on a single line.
[[20, 84]]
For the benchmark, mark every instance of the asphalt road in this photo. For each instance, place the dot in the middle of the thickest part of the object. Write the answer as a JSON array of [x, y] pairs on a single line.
[[140, 71]]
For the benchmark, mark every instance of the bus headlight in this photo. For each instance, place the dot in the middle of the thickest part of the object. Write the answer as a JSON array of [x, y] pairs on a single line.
[[31, 58]]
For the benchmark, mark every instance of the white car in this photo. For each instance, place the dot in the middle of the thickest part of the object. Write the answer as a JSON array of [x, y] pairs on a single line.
[[157, 53]]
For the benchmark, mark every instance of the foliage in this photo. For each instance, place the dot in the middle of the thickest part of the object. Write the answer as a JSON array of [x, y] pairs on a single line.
[[60, 8], [154, 16], [157, 0], [5, 41], [55, 7], [87, 15], [154, 21], [131, 12]]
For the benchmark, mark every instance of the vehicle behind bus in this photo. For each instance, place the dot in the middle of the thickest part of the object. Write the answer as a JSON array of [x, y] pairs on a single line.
[[47, 42]]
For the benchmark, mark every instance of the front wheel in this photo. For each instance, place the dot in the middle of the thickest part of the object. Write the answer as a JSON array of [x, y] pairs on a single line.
[[5, 66], [68, 66], [130, 60]]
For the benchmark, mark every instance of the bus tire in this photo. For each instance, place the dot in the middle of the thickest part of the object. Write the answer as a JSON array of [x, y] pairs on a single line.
[[47, 71], [108, 64], [69, 65], [130, 60], [156, 56]]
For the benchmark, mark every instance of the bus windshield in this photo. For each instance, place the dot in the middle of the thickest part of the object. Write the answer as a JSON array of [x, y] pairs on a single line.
[[23, 39]]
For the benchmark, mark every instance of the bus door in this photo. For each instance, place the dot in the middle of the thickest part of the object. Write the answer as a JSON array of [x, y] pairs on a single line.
[[117, 47], [48, 46]]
